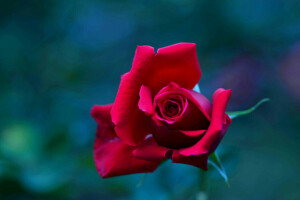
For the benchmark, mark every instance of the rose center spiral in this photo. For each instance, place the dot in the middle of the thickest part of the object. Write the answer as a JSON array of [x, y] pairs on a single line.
[[171, 109]]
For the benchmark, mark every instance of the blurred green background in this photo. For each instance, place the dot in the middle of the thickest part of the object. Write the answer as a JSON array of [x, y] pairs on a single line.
[[60, 57]]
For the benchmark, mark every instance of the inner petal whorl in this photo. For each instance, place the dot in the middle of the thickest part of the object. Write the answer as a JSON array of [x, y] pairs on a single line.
[[171, 107]]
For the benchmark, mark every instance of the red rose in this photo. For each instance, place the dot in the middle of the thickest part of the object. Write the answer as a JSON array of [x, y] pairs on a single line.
[[156, 115]]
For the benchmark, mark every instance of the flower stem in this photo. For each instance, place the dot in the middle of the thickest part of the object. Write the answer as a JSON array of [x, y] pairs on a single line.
[[202, 194], [202, 180]]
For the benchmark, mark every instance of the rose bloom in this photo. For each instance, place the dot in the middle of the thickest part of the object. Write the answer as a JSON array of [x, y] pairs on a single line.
[[157, 115]]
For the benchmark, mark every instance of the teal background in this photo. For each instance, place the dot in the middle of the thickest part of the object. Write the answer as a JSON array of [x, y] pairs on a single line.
[[59, 57]]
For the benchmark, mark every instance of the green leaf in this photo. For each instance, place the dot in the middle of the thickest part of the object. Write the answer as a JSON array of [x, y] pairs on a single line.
[[197, 88], [235, 114], [217, 164]]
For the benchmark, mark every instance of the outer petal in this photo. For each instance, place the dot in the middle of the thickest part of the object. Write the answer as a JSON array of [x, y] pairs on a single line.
[[150, 150], [226, 124], [176, 63], [195, 160], [115, 158], [216, 129], [173, 139], [102, 114], [112, 156], [131, 124]]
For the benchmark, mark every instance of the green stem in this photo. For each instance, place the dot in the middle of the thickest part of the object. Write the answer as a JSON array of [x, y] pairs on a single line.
[[202, 193], [203, 181]]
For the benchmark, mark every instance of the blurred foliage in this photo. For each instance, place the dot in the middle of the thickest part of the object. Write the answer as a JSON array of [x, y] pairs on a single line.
[[58, 58]]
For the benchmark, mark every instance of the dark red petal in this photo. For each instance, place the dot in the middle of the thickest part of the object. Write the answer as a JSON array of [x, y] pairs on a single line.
[[173, 139], [192, 119], [220, 99], [170, 93], [150, 150], [220, 137], [195, 160], [176, 63], [102, 114], [193, 133], [112, 156], [203, 103], [197, 111], [131, 124], [145, 102]]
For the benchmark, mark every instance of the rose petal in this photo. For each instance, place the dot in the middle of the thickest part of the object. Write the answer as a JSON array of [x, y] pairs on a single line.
[[219, 138], [216, 128], [131, 124], [176, 63], [145, 102], [150, 150], [192, 119], [170, 90], [203, 103], [115, 158], [173, 139], [102, 114], [196, 113], [112, 156], [160, 103], [194, 133], [195, 160]]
